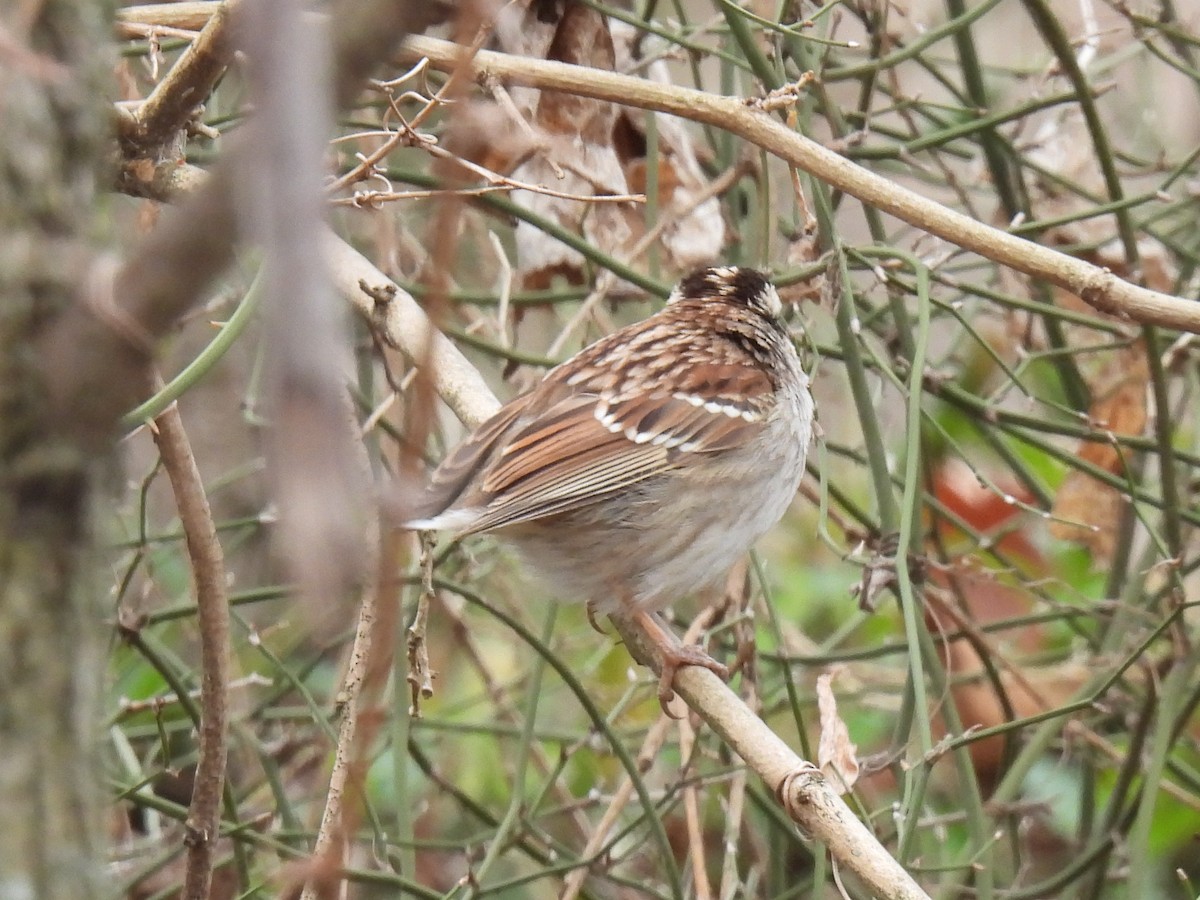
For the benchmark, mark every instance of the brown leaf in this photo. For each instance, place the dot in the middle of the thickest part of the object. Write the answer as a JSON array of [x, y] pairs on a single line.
[[581, 38], [694, 230], [576, 156], [1029, 691], [837, 756], [483, 133], [1119, 408], [990, 509]]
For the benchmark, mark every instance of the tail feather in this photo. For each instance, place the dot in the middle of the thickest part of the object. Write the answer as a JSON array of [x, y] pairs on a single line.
[[412, 505]]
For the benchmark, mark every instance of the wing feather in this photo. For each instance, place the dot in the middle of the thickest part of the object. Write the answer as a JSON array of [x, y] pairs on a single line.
[[574, 484], [562, 459], [591, 430], [456, 472], [712, 408]]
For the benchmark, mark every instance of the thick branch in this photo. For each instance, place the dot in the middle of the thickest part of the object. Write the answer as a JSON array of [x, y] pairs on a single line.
[[797, 783], [175, 99]]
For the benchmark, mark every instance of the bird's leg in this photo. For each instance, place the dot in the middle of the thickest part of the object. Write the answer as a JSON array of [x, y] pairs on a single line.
[[673, 655]]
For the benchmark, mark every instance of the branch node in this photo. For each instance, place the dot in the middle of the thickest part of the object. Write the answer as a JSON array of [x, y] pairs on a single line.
[[194, 835], [798, 789]]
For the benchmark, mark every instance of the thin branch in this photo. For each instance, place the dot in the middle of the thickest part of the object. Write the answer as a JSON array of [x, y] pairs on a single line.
[[797, 784], [360, 697], [280, 203], [329, 849], [191, 16], [403, 324], [212, 617], [1094, 285], [175, 99]]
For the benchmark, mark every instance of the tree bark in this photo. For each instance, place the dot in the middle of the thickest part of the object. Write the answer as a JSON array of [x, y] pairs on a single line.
[[53, 93]]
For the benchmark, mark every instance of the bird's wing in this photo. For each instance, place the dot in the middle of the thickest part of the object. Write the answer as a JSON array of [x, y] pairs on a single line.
[[708, 409], [583, 448], [560, 460], [592, 429]]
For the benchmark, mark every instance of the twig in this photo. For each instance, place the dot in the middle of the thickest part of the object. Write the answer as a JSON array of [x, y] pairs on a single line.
[[329, 848], [647, 754], [796, 783], [1094, 285], [185, 88], [190, 16], [500, 184], [420, 677], [366, 674], [127, 707], [691, 809], [403, 324], [212, 617], [655, 738]]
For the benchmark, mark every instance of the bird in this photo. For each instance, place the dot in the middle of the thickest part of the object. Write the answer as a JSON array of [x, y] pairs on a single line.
[[638, 471]]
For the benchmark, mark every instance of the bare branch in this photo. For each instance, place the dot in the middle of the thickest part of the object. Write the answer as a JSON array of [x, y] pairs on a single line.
[[191, 16], [797, 783], [1096, 286], [281, 205], [212, 613], [175, 99]]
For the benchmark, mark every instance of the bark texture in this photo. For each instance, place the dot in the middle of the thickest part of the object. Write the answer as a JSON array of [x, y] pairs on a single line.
[[53, 88]]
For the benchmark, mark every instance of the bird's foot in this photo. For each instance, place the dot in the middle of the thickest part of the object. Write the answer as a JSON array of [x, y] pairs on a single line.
[[673, 656]]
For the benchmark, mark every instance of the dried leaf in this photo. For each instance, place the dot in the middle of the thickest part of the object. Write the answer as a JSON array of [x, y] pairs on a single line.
[[1029, 691], [804, 247], [1119, 408], [694, 231], [837, 756], [989, 509], [487, 135], [589, 147], [581, 38], [592, 170], [577, 156]]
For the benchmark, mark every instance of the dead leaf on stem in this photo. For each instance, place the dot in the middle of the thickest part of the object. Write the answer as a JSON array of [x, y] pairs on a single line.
[[837, 755], [585, 147]]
